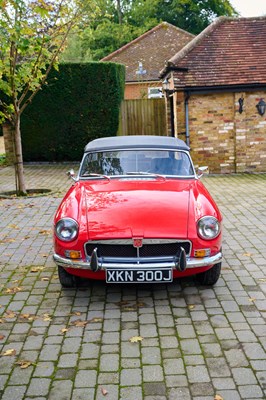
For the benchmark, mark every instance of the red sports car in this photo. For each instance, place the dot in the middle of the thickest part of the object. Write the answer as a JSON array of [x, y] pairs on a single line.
[[137, 213]]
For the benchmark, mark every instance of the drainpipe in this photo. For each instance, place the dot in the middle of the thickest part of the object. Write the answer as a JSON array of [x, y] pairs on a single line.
[[187, 120], [172, 118]]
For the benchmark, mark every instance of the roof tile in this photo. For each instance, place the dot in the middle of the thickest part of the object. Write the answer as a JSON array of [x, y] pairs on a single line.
[[230, 51], [153, 49]]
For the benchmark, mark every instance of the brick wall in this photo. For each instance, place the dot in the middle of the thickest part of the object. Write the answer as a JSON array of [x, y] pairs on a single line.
[[139, 90], [220, 136]]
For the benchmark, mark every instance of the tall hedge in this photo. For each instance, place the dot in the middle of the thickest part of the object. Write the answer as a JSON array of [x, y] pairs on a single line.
[[80, 103]]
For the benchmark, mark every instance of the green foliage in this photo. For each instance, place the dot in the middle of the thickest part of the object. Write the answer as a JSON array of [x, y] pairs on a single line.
[[80, 103], [32, 34], [119, 22]]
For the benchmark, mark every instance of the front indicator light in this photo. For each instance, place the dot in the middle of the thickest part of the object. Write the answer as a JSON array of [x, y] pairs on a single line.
[[73, 254], [202, 253]]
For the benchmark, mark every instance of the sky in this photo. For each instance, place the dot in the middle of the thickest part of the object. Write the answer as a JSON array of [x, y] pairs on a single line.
[[250, 8]]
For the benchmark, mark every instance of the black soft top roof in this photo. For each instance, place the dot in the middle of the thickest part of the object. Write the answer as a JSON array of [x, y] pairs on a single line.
[[136, 141]]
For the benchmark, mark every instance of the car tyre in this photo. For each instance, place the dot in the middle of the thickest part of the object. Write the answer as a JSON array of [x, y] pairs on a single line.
[[210, 277], [67, 280]]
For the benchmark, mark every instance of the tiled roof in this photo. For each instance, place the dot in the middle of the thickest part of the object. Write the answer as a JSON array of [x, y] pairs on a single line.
[[153, 49], [230, 51]]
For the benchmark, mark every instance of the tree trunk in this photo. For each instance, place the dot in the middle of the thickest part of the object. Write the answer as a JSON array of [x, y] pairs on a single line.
[[119, 12], [19, 170]]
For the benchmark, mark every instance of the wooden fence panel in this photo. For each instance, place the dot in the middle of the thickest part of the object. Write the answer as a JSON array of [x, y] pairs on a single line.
[[143, 117]]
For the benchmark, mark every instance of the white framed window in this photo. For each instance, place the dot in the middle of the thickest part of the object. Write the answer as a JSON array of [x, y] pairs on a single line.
[[155, 93]]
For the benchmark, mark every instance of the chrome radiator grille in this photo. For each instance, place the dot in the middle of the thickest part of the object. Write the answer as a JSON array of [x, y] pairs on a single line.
[[125, 249]]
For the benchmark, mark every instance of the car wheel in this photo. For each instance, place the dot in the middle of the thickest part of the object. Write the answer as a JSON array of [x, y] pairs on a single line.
[[211, 276], [67, 280]]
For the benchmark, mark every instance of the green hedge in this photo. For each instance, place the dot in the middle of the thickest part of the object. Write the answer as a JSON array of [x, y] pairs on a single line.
[[80, 103]]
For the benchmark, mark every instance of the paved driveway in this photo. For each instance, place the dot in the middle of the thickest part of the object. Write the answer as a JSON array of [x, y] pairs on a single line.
[[198, 343]]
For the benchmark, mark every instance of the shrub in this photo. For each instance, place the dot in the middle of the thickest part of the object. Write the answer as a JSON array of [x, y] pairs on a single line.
[[80, 103]]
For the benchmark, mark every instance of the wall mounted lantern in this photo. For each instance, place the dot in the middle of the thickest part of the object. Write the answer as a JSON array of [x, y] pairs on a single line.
[[261, 107], [166, 88], [241, 104]]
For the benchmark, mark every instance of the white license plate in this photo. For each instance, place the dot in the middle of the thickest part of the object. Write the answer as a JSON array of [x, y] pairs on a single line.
[[139, 276]]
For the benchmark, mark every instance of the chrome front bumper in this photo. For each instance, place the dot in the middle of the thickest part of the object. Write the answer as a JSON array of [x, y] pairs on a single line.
[[191, 262]]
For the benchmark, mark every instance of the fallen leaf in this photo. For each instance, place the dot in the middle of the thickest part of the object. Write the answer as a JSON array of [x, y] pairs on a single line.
[[32, 333], [10, 352], [135, 339], [251, 299], [96, 320], [13, 290], [122, 303], [29, 317], [104, 391], [191, 306], [77, 313], [13, 226], [218, 397], [46, 232], [129, 308], [10, 314], [23, 364], [262, 279], [140, 304], [247, 254], [47, 317], [79, 323], [2, 337], [45, 279], [64, 330], [36, 269], [2, 321]]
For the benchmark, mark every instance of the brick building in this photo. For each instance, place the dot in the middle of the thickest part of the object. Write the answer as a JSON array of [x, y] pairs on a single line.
[[145, 56], [216, 83]]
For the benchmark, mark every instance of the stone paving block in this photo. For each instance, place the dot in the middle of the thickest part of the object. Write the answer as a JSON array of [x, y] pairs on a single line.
[[131, 377], [152, 373], [197, 374], [218, 367], [112, 392], [14, 393], [244, 376], [199, 389], [81, 394], [173, 366], [108, 378], [154, 389], [190, 346], [178, 394], [109, 362], [39, 387], [61, 390], [250, 392], [151, 355], [86, 378], [131, 393]]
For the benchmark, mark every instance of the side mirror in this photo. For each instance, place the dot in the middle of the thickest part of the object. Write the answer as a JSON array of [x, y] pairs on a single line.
[[203, 171], [71, 174]]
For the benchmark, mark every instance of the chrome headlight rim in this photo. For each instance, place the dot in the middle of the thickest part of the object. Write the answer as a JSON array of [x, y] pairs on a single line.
[[69, 226], [208, 227]]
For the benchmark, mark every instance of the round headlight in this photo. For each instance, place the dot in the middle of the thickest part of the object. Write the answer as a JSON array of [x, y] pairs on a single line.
[[66, 229], [208, 228]]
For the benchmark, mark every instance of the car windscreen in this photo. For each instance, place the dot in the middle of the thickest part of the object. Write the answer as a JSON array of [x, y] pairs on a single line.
[[125, 162]]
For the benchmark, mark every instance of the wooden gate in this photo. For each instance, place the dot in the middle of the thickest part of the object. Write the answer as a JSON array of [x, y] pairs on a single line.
[[142, 117]]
